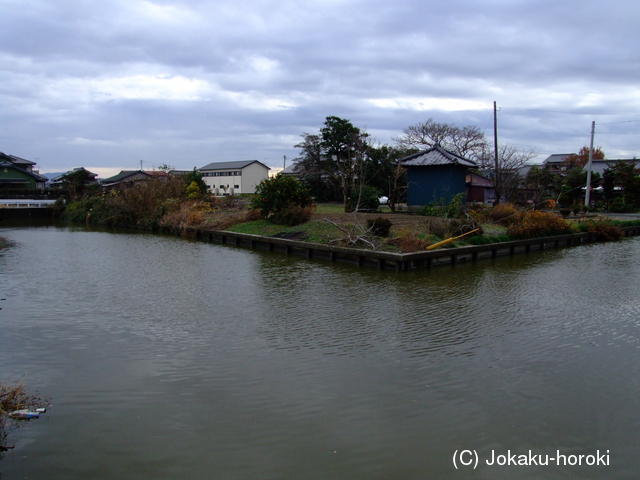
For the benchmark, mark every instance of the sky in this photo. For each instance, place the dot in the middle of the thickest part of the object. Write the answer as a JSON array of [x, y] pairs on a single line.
[[107, 85]]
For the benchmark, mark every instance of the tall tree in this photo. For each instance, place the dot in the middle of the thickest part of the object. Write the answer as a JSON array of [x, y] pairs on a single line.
[[573, 182], [77, 182], [542, 181], [198, 178], [345, 147], [625, 176], [386, 174], [467, 141], [312, 169]]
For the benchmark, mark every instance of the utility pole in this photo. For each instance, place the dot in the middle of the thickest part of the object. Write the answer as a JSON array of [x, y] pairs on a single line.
[[587, 195], [496, 180]]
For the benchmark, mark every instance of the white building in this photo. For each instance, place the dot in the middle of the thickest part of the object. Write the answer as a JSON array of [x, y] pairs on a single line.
[[233, 178]]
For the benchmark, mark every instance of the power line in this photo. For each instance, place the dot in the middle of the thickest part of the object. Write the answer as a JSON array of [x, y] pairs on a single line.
[[573, 112], [614, 123]]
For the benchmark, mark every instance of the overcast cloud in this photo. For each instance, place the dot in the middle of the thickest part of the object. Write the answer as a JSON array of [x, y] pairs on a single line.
[[107, 84]]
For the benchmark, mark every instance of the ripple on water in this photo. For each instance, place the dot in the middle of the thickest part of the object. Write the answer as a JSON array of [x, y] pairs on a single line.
[[237, 356]]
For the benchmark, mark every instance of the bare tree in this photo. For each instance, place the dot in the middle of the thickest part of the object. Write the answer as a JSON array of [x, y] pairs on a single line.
[[468, 141], [506, 173]]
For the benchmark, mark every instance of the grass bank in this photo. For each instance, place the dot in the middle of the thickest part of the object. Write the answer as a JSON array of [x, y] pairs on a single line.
[[411, 233]]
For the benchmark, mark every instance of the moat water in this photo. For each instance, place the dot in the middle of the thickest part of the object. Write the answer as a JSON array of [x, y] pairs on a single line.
[[165, 358]]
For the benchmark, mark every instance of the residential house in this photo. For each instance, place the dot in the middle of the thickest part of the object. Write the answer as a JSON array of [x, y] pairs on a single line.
[[17, 175], [480, 189], [233, 178], [600, 165], [127, 178], [435, 175], [90, 176], [557, 162], [292, 170]]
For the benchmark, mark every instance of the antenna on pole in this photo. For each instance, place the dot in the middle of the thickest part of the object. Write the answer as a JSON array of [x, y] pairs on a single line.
[[587, 195]]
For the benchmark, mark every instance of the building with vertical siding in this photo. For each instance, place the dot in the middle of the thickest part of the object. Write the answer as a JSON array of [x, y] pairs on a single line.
[[435, 175], [17, 175], [234, 178]]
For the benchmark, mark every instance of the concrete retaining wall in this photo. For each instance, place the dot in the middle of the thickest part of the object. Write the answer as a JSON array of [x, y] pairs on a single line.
[[399, 262]]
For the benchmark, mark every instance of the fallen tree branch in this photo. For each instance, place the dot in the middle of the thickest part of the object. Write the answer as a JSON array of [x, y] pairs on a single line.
[[356, 234]]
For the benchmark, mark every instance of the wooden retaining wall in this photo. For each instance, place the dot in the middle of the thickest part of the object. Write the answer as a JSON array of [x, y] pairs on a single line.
[[400, 262]]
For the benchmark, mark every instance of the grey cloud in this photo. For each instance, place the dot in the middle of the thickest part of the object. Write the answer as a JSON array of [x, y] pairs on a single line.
[[86, 78]]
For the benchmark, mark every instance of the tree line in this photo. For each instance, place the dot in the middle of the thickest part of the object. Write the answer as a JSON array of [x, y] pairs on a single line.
[[343, 162]]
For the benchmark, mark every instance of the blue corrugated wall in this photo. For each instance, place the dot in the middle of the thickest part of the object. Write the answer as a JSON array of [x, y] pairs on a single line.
[[426, 185]]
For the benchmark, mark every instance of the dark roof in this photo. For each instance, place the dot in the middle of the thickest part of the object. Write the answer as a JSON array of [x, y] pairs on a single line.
[[601, 164], [7, 164], [16, 160], [478, 180], [231, 165], [122, 175], [21, 161], [435, 155], [61, 176], [557, 158], [291, 169]]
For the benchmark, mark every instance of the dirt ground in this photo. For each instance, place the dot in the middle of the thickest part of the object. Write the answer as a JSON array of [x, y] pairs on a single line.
[[398, 220]]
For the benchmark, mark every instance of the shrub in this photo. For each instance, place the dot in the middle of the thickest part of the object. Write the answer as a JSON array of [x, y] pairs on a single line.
[[366, 199], [409, 242], [438, 227], [442, 209], [480, 240], [253, 215], [292, 215], [193, 190], [459, 227], [604, 231], [379, 226], [618, 205], [503, 213], [535, 223], [185, 214], [279, 193]]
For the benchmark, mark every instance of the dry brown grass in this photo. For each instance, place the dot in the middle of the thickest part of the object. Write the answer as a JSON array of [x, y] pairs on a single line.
[[14, 396], [409, 241], [502, 214]]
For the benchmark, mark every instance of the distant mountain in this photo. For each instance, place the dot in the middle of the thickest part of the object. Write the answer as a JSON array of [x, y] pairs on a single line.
[[52, 175]]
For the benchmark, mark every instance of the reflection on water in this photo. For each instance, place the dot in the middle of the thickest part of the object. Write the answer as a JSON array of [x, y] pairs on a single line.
[[168, 358]]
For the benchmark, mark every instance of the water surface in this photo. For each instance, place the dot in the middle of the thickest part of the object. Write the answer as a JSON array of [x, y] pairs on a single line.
[[166, 358]]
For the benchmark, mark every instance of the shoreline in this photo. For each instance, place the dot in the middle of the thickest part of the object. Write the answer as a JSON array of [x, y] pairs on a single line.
[[399, 262]]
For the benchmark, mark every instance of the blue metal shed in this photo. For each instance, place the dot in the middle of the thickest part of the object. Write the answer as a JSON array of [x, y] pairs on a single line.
[[435, 174]]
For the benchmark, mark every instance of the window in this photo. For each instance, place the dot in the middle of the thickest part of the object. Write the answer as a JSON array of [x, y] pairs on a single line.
[[236, 186]]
